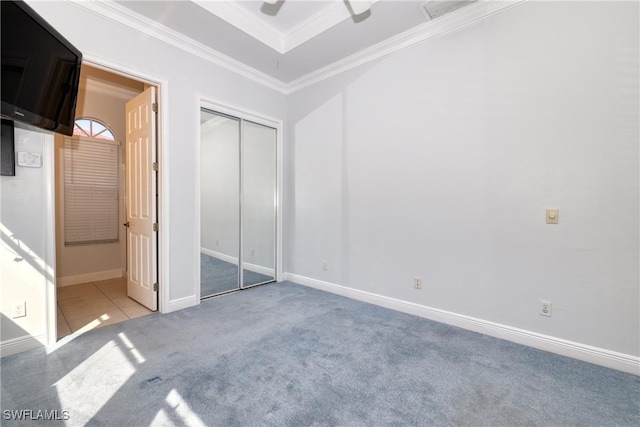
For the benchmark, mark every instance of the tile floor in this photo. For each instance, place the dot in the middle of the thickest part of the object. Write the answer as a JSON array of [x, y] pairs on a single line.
[[92, 305]]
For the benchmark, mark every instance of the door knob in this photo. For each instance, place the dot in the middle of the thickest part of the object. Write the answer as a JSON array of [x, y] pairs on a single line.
[[126, 224]]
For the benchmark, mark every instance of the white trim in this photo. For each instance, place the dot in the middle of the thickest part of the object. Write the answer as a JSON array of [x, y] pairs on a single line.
[[259, 269], [89, 277], [316, 24], [123, 16], [164, 303], [219, 255], [280, 41], [23, 343], [240, 112], [198, 206], [279, 199], [181, 303], [431, 29], [245, 21], [599, 356], [233, 260], [278, 124], [49, 255]]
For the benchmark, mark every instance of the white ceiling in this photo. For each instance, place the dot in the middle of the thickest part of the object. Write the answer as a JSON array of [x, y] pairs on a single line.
[[293, 38]]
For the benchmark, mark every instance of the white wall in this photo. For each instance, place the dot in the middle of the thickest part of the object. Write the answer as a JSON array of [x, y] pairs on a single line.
[[27, 266], [187, 77], [439, 162]]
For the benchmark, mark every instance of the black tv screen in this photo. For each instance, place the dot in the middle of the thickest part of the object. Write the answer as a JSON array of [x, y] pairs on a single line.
[[40, 70]]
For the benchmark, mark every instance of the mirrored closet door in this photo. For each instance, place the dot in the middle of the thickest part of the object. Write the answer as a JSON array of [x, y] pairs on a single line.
[[237, 203]]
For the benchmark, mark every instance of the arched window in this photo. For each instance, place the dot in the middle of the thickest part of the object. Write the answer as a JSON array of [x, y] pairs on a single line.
[[93, 128], [91, 184]]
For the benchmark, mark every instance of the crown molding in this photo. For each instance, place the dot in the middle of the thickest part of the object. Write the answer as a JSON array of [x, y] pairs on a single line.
[[240, 18], [281, 42], [429, 30], [317, 24], [123, 16]]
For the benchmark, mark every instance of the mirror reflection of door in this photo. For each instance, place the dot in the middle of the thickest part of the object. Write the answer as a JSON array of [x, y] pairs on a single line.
[[237, 202], [258, 204], [219, 203]]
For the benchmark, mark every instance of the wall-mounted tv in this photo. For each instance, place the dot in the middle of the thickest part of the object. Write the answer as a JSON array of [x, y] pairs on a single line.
[[40, 70]]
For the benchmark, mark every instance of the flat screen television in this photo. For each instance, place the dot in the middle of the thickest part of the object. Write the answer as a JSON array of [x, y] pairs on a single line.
[[40, 70]]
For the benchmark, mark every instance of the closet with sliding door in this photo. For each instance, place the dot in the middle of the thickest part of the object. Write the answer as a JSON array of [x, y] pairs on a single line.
[[238, 203]]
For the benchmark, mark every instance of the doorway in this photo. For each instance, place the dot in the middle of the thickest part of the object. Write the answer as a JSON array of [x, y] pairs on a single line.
[[238, 202], [98, 272]]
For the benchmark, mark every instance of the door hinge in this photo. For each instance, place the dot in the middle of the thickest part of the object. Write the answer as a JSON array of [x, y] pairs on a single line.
[[154, 107], [155, 287], [155, 166], [155, 226]]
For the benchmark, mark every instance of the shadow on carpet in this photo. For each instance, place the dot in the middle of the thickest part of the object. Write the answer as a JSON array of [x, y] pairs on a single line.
[[288, 355]]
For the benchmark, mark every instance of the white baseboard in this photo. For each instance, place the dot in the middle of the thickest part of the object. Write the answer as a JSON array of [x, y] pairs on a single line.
[[181, 303], [260, 269], [89, 277], [20, 344], [248, 266], [220, 255], [598, 356]]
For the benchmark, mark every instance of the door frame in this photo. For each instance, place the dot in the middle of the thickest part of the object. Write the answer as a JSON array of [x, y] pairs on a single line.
[[162, 188], [259, 118]]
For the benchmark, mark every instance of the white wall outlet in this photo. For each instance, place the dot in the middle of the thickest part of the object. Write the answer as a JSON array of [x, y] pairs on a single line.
[[18, 309], [545, 308], [253, 252], [325, 265], [417, 282], [217, 242]]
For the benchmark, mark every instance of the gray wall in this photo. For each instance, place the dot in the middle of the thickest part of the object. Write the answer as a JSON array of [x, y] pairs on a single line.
[[439, 162], [27, 268]]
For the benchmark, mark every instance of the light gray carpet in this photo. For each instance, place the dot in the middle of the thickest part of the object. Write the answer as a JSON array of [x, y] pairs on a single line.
[[218, 276], [287, 355]]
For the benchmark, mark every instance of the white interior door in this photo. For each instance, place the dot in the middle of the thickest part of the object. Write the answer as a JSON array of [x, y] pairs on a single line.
[[141, 199]]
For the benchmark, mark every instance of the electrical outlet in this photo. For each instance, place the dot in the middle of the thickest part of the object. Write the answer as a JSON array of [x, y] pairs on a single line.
[[417, 282], [18, 309], [253, 252], [325, 265], [545, 308]]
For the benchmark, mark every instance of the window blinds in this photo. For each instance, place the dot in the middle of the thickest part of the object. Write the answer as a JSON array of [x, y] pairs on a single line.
[[90, 191]]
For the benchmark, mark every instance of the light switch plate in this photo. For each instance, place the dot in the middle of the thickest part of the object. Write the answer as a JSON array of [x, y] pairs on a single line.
[[29, 160], [552, 216]]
